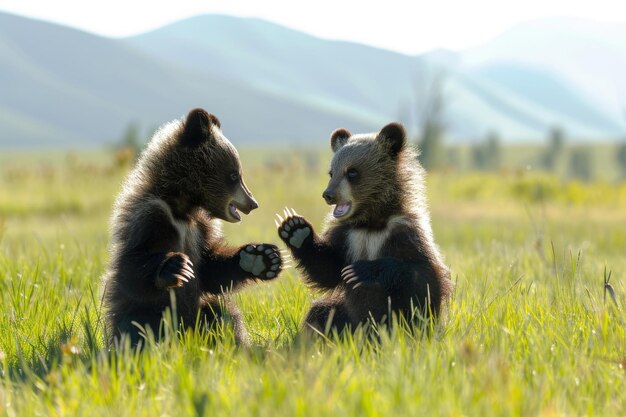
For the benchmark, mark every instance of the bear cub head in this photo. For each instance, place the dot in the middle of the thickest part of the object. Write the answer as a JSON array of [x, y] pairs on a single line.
[[193, 165], [366, 175]]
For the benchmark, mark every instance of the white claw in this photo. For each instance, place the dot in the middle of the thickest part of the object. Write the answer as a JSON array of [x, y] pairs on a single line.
[[351, 280], [276, 223], [288, 211], [280, 218], [357, 285], [294, 212]]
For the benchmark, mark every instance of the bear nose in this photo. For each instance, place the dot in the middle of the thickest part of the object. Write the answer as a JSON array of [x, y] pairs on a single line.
[[329, 196]]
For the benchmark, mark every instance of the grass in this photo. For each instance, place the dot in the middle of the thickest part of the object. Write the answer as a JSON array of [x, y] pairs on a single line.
[[529, 330]]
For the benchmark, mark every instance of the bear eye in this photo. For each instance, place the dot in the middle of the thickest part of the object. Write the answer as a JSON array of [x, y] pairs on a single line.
[[352, 173], [234, 177]]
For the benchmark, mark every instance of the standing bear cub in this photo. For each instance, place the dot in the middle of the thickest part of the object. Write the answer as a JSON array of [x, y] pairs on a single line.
[[378, 254], [165, 234]]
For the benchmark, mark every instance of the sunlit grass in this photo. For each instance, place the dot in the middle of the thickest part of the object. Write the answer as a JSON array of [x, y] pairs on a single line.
[[528, 332]]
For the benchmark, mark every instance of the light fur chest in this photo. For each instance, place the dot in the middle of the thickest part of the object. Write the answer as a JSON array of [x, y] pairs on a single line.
[[366, 245]]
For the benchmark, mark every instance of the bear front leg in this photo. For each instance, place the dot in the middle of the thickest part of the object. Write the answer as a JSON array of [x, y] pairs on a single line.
[[260, 261], [314, 256], [294, 230], [175, 270], [226, 268], [145, 278], [381, 272], [384, 285]]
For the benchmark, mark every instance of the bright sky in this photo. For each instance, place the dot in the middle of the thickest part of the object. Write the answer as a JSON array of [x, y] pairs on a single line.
[[402, 25]]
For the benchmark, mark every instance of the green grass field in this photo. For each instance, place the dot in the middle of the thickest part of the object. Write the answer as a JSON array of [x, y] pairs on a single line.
[[530, 330]]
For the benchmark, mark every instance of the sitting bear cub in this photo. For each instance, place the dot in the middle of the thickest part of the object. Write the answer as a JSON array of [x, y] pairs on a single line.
[[165, 234], [378, 254]]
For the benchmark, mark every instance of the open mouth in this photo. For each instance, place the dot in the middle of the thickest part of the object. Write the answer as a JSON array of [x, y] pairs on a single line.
[[232, 210], [342, 209]]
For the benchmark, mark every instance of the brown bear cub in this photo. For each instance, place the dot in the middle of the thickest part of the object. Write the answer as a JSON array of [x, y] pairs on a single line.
[[378, 254], [165, 234]]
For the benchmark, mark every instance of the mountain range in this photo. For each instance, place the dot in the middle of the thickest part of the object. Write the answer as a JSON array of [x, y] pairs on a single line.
[[61, 87]]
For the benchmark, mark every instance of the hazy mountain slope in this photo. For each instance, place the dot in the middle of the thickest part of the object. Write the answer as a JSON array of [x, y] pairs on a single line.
[[588, 55], [279, 59], [546, 91], [377, 83], [61, 83], [62, 87]]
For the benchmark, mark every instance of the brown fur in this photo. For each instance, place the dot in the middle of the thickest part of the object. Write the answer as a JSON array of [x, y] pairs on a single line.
[[165, 233], [380, 257]]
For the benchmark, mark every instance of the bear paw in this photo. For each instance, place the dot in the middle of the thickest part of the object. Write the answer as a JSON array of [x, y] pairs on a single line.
[[294, 230], [358, 274], [262, 261], [174, 271]]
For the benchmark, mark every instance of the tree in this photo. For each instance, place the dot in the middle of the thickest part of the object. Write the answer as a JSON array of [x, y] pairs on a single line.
[[131, 138], [621, 158], [487, 155], [554, 152], [430, 106], [580, 165], [129, 146], [431, 146]]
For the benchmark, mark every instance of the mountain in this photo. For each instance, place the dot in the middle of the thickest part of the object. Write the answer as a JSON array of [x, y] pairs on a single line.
[[279, 60], [268, 83], [519, 100], [588, 55], [63, 87]]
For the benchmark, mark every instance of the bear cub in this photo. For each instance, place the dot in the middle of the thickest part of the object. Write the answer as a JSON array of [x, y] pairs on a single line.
[[377, 255], [165, 234]]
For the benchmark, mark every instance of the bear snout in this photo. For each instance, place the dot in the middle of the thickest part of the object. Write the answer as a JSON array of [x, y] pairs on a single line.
[[329, 196]]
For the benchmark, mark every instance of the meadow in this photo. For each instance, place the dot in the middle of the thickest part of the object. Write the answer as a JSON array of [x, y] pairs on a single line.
[[536, 325]]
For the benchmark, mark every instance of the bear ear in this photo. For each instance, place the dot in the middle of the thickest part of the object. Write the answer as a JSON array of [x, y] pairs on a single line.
[[393, 137], [339, 138], [197, 127]]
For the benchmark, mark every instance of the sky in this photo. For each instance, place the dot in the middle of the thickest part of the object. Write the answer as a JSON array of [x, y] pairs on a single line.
[[401, 25]]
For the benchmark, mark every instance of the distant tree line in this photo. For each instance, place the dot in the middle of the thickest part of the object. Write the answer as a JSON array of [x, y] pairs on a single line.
[[557, 156], [487, 154]]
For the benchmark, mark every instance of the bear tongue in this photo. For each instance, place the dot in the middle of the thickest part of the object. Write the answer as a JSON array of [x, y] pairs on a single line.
[[233, 211], [341, 209]]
